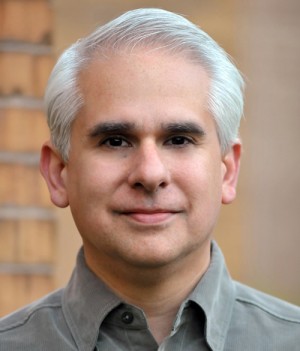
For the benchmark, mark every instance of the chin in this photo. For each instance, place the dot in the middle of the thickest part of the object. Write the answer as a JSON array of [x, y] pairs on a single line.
[[156, 258]]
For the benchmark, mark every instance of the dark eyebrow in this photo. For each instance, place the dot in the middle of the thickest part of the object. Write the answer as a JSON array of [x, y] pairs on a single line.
[[184, 127], [126, 127], [110, 127]]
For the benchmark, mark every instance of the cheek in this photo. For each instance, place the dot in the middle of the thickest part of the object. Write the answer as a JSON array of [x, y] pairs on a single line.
[[94, 183], [202, 183], [201, 173]]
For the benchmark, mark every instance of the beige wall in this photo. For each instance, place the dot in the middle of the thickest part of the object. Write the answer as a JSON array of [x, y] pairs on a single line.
[[269, 52]]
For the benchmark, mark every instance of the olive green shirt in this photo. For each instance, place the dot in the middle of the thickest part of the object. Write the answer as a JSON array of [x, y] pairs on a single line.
[[220, 314]]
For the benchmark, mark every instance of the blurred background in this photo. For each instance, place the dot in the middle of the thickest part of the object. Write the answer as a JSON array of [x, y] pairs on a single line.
[[259, 233]]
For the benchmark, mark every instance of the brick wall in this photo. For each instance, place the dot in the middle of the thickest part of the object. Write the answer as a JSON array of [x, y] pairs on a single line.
[[27, 221]]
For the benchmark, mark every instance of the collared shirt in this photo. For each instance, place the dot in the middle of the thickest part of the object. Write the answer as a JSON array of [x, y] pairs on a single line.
[[219, 315]]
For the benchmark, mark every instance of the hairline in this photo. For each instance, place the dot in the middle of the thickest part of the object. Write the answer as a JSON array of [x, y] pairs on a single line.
[[225, 100], [103, 54]]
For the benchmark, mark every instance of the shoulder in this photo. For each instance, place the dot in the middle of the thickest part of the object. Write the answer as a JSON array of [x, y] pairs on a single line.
[[264, 304], [34, 325], [25, 314], [263, 322]]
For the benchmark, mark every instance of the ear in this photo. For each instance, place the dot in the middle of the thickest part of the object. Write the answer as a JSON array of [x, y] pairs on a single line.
[[231, 162], [53, 169]]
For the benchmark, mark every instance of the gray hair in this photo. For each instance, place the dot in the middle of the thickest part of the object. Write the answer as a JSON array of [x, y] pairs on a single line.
[[152, 29]]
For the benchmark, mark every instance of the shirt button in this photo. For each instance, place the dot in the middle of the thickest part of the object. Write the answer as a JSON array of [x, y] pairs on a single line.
[[127, 317]]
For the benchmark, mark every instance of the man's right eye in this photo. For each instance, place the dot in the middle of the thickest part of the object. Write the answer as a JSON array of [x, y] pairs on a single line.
[[115, 142]]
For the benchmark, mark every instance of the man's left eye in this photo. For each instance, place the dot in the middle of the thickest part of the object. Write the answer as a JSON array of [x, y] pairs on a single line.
[[178, 140]]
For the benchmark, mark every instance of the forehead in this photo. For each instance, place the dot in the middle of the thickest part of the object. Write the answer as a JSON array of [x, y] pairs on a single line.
[[151, 66], [143, 86]]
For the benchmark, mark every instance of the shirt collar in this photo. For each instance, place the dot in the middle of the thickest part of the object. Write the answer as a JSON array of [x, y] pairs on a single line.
[[215, 294], [86, 302]]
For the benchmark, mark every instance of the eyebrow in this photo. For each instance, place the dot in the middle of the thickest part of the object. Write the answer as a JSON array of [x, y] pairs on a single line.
[[110, 127], [184, 127], [127, 127]]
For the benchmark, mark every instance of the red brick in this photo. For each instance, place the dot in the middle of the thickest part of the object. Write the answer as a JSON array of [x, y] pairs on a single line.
[[18, 290], [22, 185], [29, 20], [35, 241], [42, 68], [22, 130], [22, 73], [27, 241], [7, 241]]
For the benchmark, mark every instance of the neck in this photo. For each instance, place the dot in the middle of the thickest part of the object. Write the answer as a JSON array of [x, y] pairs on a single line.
[[159, 292]]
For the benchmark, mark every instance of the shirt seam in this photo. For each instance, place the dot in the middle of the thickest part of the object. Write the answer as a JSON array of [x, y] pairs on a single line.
[[266, 310], [27, 317]]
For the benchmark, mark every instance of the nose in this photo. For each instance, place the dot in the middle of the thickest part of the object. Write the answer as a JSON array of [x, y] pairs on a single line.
[[149, 172]]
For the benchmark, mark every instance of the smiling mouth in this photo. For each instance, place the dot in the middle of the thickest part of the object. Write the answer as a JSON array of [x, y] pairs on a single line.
[[149, 217]]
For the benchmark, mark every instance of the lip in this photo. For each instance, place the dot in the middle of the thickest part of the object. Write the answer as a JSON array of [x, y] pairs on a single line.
[[143, 216]]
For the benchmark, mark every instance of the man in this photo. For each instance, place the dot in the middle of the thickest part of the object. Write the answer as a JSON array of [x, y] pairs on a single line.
[[144, 116]]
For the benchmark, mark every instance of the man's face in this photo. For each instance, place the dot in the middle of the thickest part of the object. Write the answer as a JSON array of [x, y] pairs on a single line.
[[145, 178]]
